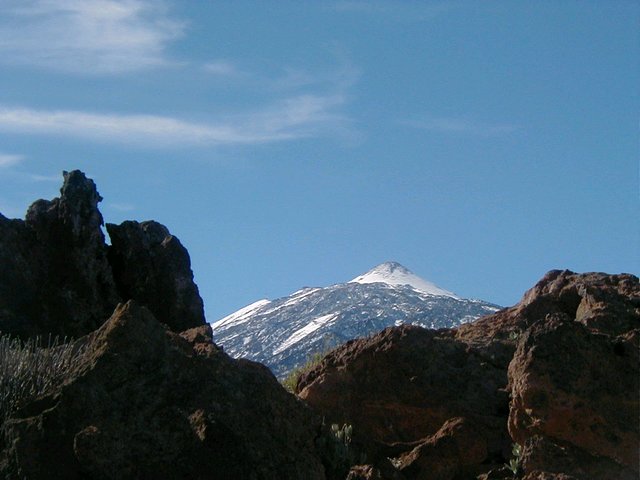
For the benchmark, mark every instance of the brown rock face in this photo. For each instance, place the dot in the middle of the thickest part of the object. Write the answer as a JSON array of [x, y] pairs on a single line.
[[57, 277], [146, 403], [151, 265], [454, 451], [577, 389], [416, 394], [560, 369]]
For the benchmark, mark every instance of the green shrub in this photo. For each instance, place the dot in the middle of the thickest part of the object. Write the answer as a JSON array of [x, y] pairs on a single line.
[[291, 380], [29, 369]]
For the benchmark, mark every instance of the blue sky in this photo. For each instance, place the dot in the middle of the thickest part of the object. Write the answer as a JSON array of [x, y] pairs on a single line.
[[292, 144]]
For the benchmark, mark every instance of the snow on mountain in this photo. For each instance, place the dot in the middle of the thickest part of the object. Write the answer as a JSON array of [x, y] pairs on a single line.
[[285, 332], [241, 316], [392, 273], [300, 334]]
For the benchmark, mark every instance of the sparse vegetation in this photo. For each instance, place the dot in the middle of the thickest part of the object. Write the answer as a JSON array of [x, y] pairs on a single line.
[[514, 335], [342, 440], [291, 380], [339, 453], [515, 463], [29, 369]]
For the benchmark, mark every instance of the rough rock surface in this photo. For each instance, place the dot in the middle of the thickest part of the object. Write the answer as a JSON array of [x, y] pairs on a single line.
[[146, 403], [576, 392], [385, 471], [55, 275], [151, 265], [560, 370], [58, 277], [418, 395]]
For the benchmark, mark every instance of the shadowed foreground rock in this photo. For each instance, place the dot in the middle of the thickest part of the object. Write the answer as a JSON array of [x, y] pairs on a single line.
[[151, 266], [59, 277], [55, 275], [147, 403], [558, 374]]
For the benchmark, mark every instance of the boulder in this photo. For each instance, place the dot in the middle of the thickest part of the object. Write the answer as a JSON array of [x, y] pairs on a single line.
[[151, 265], [452, 452], [415, 395], [576, 390], [144, 402]]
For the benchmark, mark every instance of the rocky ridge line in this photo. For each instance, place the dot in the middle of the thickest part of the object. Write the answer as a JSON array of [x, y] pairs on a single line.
[[60, 277]]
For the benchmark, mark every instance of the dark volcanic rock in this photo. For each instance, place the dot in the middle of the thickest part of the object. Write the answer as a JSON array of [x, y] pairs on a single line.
[[385, 471], [402, 388], [147, 403], [58, 278], [55, 275], [151, 266], [437, 402]]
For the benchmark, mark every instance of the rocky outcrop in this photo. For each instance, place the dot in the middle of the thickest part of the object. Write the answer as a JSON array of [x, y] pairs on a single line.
[[144, 402], [575, 395], [151, 265], [430, 378], [420, 396], [59, 277], [56, 278], [557, 374]]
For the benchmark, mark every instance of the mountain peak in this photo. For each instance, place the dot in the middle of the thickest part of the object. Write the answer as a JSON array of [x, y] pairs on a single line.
[[390, 267], [393, 273]]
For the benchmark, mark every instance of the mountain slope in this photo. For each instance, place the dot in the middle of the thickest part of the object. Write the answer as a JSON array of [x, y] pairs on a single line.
[[284, 333]]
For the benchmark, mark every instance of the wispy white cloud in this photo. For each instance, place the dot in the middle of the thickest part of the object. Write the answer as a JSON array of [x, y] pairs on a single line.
[[296, 117], [8, 159], [87, 36], [460, 126]]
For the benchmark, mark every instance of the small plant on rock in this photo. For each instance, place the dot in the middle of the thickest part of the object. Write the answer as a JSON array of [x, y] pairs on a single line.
[[342, 437], [515, 463], [337, 450]]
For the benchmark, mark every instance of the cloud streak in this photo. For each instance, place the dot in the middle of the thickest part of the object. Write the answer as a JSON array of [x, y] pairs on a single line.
[[297, 117], [8, 159], [87, 36], [460, 126]]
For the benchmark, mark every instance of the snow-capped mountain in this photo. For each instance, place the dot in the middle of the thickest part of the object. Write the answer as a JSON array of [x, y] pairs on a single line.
[[392, 273], [284, 333]]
